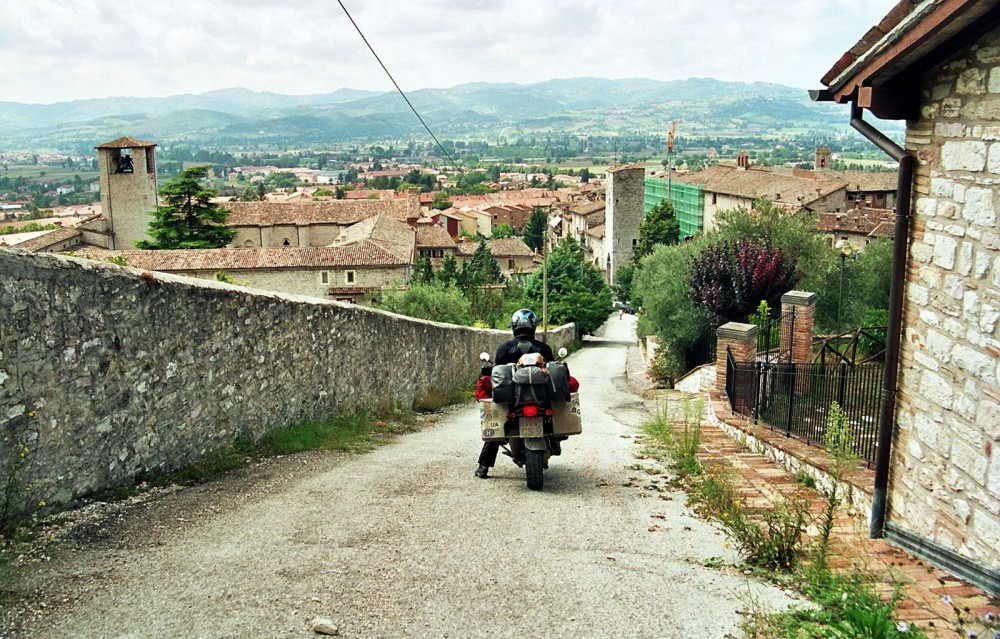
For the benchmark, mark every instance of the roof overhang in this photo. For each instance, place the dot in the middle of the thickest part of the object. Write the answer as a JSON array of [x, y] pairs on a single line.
[[880, 72]]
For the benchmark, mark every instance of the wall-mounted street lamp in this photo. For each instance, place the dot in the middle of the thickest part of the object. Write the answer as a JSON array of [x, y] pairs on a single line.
[[845, 250]]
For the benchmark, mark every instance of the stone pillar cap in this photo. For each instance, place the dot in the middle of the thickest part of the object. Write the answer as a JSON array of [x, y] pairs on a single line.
[[736, 330], [799, 298]]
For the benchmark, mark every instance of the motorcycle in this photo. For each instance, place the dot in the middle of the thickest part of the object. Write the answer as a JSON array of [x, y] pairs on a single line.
[[530, 407]]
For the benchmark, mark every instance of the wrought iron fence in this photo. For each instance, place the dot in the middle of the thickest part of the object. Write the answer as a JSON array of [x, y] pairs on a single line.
[[795, 398]]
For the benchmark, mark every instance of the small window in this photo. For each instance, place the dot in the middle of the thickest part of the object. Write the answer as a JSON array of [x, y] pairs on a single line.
[[286, 242], [634, 242], [350, 277], [324, 277], [438, 252], [510, 265], [715, 198]]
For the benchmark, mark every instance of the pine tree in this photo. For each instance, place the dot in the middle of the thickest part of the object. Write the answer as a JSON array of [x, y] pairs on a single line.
[[189, 219], [534, 230], [658, 227]]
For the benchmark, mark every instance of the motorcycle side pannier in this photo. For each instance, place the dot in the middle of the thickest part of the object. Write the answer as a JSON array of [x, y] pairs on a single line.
[[503, 383], [559, 373], [566, 419]]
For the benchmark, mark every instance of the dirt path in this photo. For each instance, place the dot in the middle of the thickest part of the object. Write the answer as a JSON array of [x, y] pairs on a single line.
[[405, 542]]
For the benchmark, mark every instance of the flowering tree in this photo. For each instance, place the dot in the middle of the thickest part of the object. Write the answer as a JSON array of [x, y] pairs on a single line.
[[729, 279]]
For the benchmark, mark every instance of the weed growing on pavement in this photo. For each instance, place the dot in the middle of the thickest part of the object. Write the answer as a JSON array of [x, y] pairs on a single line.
[[838, 443], [847, 607], [678, 434], [973, 626]]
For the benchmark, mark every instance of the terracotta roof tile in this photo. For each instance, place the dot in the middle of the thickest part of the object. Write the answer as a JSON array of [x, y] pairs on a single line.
[[126, 143], [343, 212], [433, 237], [52, 237], [362, 254], [760, 182]]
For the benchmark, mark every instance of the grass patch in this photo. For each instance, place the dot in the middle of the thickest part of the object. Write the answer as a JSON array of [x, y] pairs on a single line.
[[772, 542], [847, 608], [356, 432]]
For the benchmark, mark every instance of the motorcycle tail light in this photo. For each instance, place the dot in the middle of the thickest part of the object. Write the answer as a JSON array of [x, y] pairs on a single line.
[[530, 411]]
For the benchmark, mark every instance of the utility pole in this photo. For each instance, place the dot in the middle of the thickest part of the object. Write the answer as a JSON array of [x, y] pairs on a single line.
[[670, 154], [545, 282]]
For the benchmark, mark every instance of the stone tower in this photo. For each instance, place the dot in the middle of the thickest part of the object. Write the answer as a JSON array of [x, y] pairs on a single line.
[[823, 157], [624, 207], [127, 168]]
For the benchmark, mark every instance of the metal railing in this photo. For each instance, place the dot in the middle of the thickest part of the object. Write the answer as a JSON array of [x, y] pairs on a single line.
[[795, 398]]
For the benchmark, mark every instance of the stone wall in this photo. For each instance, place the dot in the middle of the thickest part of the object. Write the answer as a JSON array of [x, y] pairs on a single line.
[[107, 373], [946, 473]]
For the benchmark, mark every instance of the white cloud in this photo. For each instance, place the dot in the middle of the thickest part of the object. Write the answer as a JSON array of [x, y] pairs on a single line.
[[67, 49]]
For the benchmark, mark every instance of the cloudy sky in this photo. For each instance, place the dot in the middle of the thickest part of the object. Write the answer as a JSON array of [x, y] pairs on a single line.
[[56, 50]]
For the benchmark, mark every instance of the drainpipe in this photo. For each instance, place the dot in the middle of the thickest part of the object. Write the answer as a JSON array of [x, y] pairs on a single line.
[[890, 375]]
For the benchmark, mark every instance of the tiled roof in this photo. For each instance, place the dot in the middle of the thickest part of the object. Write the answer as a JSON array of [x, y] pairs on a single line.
[[586, 208], [433, 236], [506, 247], [626, 167], [868, 222], [49, 239], [910, 34], [509, 247], [595, 231], [126, 143], [866, 180], [392, 235], [362, 254], [759, 182], [342, 212]]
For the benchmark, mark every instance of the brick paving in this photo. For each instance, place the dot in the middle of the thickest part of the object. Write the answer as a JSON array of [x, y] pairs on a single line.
[[762, 480]]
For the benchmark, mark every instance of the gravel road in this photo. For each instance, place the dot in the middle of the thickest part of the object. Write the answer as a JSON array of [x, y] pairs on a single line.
[[405, 542]]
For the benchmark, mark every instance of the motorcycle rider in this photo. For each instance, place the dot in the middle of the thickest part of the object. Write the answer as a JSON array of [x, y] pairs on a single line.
[[522, 324]]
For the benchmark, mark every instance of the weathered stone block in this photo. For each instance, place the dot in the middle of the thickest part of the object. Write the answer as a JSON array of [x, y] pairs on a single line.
[[980, 208], [944, 251], [971, 82], [936, 389], [963, 156]]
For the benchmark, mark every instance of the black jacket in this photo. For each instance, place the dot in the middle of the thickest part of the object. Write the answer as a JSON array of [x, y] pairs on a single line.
[[509, 352]]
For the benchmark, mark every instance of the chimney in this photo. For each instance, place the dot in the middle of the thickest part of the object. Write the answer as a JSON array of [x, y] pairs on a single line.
[[742, 161]]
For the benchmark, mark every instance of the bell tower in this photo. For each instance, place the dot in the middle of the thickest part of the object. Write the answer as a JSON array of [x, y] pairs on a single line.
[[127, 169]]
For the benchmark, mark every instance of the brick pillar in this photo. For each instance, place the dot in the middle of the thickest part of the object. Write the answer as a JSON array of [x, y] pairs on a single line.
[[742, 340], [798, 337]]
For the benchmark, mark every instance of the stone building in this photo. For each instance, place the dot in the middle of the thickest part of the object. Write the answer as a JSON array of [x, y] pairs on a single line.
[[937, 65], [127, 169], [270, 224], [624, 210], [369, 256], [513, 256]]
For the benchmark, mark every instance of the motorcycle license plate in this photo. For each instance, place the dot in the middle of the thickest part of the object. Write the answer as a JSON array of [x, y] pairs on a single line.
[[531, 427]]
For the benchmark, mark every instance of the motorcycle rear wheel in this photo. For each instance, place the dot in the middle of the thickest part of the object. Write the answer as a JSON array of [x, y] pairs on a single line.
[[534, 461]]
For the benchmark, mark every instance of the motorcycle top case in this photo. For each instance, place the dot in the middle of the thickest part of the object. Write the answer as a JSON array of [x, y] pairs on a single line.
[[559, 373], [503, 383]]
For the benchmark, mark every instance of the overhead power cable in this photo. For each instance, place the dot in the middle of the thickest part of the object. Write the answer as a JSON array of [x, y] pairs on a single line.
[[396, 84]]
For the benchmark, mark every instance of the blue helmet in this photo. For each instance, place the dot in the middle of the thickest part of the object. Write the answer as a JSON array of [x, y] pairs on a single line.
[[523, 323]]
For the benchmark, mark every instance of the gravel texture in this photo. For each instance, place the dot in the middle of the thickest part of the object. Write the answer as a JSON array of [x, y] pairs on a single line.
[[405, 542]]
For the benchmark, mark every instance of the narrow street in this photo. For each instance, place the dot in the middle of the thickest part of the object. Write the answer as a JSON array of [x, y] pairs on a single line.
[[406, 542]]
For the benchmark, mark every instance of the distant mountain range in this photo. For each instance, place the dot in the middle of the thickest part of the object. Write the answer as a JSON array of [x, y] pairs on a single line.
[[244, 118]]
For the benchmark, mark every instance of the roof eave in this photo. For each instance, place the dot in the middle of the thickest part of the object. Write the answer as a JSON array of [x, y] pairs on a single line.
[[875, 79]]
